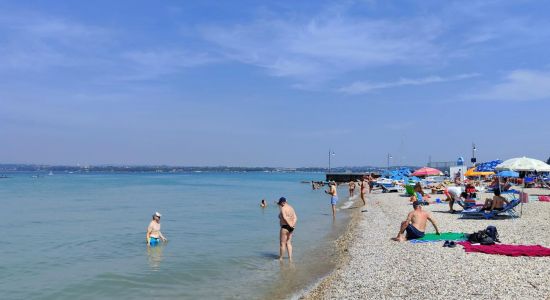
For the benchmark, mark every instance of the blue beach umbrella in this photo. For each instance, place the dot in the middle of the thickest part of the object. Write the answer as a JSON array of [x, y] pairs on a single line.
[[508, 174]]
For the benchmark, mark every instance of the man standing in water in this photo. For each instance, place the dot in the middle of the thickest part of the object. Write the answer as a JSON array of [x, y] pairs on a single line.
[[333, 197], [287, 220], [153, 231]]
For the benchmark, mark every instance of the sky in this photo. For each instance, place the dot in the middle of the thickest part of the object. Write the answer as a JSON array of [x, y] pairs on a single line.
[[273, 83]]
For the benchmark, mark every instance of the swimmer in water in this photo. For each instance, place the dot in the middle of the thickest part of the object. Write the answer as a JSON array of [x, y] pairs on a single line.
[[263, 204], [153, 231]]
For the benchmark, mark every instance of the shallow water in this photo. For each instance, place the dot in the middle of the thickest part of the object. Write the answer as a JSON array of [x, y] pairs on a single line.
[[82, 235]]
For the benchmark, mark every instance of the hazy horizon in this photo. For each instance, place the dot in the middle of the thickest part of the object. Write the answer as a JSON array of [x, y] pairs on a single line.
[[273, 84]]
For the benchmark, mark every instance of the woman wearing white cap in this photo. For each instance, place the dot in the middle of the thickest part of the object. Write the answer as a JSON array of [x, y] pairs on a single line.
[[153, 231]]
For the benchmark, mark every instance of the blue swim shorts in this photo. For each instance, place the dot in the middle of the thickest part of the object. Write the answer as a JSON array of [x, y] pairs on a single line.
[[153, 241], [413, 233], [333, 200]]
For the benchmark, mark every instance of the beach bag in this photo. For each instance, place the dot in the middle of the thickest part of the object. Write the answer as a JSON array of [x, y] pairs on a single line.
[[481, 237], [492, 233]]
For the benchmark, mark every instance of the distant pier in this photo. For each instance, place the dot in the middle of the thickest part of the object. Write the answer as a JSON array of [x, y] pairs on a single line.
[[347, 177]]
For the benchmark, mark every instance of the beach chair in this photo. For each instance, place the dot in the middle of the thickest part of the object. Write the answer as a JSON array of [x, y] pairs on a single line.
[[420, 199], [410, 189], [507, 210], [467, 204], [392, 189]]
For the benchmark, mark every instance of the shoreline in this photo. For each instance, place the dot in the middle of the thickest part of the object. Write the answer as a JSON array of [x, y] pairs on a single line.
[[321, 261], [372, 266]]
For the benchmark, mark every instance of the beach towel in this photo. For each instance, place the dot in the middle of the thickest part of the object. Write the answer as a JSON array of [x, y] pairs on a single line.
[[510, 250], [445, 236], [544, 198]]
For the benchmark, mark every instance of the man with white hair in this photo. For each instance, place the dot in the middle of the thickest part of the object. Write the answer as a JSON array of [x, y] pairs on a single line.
[[153, 231]]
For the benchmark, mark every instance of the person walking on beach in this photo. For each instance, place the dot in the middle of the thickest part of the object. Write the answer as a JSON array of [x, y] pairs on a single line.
[[363, 189], [371, 183], [351, 188], [153, 231], [333, 197], [415, 225], [287, 220]]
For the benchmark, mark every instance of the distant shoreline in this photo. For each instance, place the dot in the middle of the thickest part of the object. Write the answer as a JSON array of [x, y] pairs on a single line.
[[174, 169]]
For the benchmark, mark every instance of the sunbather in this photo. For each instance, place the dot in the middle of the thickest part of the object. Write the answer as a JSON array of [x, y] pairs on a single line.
[[497, 203], [415, 225]]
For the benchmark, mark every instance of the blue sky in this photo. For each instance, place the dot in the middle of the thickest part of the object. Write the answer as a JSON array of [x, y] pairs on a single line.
[[249, 83]]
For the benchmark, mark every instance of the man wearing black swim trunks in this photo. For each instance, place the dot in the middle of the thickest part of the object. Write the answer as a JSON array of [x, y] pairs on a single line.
[[287, 220], [415, 225]]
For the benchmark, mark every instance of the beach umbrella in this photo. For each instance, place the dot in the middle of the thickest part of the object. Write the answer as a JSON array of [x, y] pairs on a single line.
[[425, 171], [488, 166], [524, 164], [508, 173], [472, 172]]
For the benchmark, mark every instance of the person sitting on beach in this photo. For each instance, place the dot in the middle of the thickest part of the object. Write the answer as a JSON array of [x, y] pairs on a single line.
[[333, 197], [415, 224], [419, 194], [497, 203], [494, 184], [287, 220], [351, 188], [153, 231], [263, 204]]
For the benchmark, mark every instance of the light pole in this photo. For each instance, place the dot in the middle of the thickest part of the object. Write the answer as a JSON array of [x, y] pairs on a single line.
[[473, 160], [330, 154], [389, 157]]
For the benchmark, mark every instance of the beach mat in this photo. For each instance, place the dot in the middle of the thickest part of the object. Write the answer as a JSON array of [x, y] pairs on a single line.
[[445, 236], [509, 250]]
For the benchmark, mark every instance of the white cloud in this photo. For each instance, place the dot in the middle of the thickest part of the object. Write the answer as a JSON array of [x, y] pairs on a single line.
[[33, 42], [317, 49], [362, 87], [518, 85]]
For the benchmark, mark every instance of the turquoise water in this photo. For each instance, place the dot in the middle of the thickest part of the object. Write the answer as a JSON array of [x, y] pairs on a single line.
[[82, 236]]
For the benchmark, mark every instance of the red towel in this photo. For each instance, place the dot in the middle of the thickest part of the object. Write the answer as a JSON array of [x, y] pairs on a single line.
[[544, 198], [510, 250]]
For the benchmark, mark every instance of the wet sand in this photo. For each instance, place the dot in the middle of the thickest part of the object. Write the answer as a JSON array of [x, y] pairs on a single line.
[[373, 267]]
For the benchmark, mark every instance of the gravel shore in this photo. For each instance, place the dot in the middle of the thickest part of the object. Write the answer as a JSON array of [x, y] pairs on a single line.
[[374, 267]]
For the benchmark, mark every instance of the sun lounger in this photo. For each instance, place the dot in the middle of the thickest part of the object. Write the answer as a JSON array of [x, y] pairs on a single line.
[[392, 189], [508, 209]]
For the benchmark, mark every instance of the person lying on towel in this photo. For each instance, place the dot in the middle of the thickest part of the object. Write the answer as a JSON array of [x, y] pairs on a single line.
[[415, 225]]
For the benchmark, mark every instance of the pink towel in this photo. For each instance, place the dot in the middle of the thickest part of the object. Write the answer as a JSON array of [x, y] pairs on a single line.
[[510, 250], [544, 198]]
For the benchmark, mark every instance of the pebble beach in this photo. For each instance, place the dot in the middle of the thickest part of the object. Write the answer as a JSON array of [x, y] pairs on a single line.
[[371, 266]]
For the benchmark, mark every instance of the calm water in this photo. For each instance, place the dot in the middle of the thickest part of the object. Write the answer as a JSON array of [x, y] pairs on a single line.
[[82, 236]]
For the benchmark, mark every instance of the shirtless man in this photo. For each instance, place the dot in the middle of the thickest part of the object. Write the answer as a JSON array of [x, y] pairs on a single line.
[[153, 231], [333, 197], [287, 220], [363, 185], [497, 203], [371, 183], [415, 225], [351, 189]]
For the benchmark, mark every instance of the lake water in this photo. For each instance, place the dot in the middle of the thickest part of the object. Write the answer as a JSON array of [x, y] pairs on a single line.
[[83, 236]]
